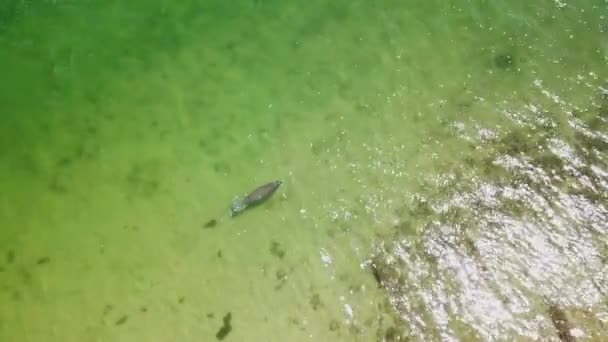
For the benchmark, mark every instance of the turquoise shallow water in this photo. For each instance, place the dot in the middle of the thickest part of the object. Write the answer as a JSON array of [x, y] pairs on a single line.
[[444, 168]]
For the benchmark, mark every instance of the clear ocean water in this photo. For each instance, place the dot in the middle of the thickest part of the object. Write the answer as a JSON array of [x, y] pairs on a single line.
[[444, 168]]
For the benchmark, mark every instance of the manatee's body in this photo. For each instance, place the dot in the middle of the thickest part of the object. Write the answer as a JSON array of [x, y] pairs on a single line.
[[255, 197]]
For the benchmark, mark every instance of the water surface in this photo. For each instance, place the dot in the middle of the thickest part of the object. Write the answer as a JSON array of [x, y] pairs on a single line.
[[444, 168]]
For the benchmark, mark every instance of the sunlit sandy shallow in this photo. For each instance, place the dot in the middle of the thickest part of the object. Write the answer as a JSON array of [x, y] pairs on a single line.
[[443, 164]]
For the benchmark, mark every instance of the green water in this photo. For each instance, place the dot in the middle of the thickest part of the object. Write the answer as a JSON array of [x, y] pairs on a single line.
[[444, 166]]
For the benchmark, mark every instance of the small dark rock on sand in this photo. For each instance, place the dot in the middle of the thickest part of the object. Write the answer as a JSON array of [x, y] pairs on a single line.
[[43, 260], [226, 327], [210, 224], [10, 257], [504, 61], [122, 320]]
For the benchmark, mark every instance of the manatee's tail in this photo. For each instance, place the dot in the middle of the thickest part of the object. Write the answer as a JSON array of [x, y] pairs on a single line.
[[237, 206]]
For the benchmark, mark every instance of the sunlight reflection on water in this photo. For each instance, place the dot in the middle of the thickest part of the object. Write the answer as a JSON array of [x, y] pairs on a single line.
[[515, 241]]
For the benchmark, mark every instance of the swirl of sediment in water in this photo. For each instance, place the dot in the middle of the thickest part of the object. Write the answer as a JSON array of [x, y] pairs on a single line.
[[513, 244]]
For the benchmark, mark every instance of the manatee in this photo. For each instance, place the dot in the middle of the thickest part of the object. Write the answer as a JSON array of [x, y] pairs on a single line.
[[254, 198]]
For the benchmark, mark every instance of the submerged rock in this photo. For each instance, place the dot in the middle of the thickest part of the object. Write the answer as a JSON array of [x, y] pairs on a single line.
[[561, 323], [504, 61], [226, 327]]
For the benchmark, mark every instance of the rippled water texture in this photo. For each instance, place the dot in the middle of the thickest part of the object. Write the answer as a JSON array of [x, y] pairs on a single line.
[[444, 168], [514, 236]]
